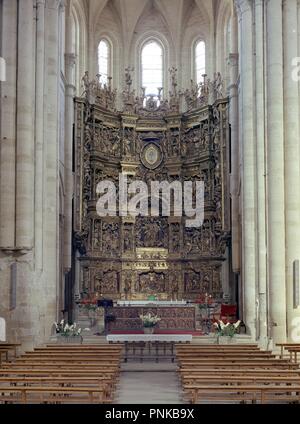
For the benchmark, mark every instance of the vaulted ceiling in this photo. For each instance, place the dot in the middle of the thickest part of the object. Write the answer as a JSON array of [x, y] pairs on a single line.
[[174, 12]]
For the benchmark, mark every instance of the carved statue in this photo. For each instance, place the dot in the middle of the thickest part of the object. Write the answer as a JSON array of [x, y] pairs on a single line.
[[128, 76], [127, 286], [127, 240], [176, 238], [152, 282], [218, 85], [85, 83], [107, 282]]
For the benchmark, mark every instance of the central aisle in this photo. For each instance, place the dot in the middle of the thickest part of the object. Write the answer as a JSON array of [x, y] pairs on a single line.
[[149, 383]]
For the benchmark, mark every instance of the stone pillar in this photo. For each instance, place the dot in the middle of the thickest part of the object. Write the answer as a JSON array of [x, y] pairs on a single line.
[[8, 124], [39, 135], [234, 122], [248, 165], [69, 120], [291, 154], [261, 172], [275, 171], [25, 122], [93, 52], [51, 155]]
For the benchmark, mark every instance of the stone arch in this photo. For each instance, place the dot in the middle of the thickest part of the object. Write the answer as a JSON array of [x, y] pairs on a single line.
[[224, 16], [80, 34]]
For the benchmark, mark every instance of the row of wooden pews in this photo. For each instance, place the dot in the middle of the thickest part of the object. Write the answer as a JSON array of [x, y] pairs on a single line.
[[8, 348], [292, 348], [62, 374], [236, 373]]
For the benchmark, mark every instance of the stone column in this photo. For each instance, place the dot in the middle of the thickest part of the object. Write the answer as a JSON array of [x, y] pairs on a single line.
[[233, 119], [8, 124], [25, 139], [69, 120], [275, 171], [248, 164], [261, 171], [51, 266], [291, 153], [39, 134], [93, 51]]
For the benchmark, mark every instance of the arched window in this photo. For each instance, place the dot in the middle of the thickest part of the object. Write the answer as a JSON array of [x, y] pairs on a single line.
[[104, 58], [200, 60], [152, 67]]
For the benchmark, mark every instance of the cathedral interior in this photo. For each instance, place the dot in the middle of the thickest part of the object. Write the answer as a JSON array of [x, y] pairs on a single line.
[[154, 90]]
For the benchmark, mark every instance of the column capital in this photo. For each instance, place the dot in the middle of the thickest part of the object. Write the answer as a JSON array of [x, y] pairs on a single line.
[[242, 6], [233, 59], [55, 4], [273, 2], [70, 59], [289, 2]]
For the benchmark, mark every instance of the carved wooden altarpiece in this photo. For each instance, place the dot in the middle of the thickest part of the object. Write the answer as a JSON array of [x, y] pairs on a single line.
[[151, 139]]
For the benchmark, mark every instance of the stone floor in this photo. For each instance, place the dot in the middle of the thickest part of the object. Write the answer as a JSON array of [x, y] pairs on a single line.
[[149, 382]]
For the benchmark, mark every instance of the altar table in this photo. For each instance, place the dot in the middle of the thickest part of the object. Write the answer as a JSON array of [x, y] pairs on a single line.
[[149, 345]]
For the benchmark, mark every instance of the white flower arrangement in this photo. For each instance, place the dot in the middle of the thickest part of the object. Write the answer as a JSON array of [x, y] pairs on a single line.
[[149, 320], [68, 330], [228, 329]]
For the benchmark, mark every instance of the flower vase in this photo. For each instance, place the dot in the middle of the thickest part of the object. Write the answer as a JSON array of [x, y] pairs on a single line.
[[224, 340], [148, 330], [69, 339]]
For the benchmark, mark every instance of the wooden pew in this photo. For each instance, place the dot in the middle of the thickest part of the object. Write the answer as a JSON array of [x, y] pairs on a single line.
[[231, 360], [211, 372], [236, 374], [52, 372], [225, 355], [52, 394], [4, 352], [88, 355], [216, 347], [293, 351], [6, 348], [85, 369], [10, 346], [107, 383], [285, 345], [81, 346], [237, 379], [243, 392], [65, 381], [233, 366], [68, 359], [59, 365]]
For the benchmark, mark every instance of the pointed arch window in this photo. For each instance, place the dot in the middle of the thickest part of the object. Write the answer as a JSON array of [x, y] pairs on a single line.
[[152, 67], [104, 60], [200, 65]]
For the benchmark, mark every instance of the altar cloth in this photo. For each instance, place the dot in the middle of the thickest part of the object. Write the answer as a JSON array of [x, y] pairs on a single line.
[[176, 338], [151, 302]]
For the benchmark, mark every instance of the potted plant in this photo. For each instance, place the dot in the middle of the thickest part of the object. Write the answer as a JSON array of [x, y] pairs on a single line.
[[68, 333], [149, 322], [225, 331]]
